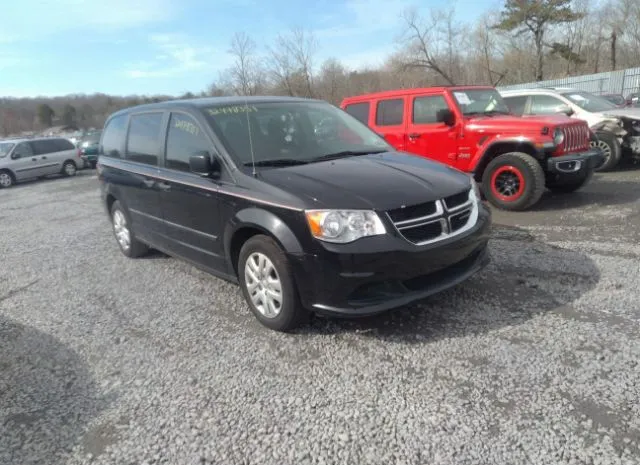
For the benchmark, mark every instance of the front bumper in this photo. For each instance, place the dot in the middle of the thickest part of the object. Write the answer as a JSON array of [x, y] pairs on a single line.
[[359, 284], [576, 164]]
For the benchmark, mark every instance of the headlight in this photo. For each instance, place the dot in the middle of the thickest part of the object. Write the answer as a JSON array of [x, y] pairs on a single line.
[[558, 136], [343, 226]]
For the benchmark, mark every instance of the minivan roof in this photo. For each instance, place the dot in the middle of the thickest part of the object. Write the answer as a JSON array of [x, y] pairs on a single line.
[[410, 91], [211, 101], [31, 139]]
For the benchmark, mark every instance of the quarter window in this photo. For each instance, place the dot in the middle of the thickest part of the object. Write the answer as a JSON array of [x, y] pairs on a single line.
[[389, 112], [144, 135], [425, 109], [184, 139], [113, 137], [359, 111]]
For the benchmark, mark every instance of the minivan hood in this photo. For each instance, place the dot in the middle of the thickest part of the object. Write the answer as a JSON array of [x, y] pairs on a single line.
[[379, 181], [633, 113]]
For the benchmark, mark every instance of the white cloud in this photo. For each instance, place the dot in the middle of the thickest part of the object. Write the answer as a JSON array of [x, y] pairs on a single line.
[[174, 55], [365, 17]]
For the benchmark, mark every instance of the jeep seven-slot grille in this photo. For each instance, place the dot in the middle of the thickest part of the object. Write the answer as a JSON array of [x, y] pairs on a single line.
[[427, 222], [576, 137]]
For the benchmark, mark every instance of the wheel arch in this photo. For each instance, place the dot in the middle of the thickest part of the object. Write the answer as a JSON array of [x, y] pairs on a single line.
[[500, 147], [252, 221], [8, 170]]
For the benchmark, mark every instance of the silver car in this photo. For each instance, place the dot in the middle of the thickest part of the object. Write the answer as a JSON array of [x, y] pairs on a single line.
[[22, 159]]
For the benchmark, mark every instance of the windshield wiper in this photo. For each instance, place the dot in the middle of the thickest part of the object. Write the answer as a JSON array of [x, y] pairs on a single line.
[[277, 162], [346, 153], [497, 112]]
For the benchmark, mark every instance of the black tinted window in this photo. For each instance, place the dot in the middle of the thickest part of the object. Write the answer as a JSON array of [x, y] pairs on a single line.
[[114, 137], [546, 105], [23, 150], [144, 137], [389, 112], [516, 104], [425, 109], [41, 147], [185, 138], [359, 111], [64, 144]]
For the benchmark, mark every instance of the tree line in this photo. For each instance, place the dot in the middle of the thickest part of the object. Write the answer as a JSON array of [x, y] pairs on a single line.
[[527, 40]]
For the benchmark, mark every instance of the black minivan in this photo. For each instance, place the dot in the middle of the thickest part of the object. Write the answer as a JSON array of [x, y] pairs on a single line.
[[303, 206]]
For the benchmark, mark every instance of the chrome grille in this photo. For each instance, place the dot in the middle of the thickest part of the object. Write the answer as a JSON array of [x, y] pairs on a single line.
[[432, 221], [576, 137]]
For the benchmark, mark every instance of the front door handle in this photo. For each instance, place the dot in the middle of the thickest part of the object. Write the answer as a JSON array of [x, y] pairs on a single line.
[[164, 186], [414, 135], [34, 159]]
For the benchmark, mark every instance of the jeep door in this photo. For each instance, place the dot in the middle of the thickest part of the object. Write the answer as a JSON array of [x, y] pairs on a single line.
[[428, 137], [24, 163], [190, 202]]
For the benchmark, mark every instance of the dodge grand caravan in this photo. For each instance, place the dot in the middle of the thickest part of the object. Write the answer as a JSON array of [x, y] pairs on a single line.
[[296, 201]]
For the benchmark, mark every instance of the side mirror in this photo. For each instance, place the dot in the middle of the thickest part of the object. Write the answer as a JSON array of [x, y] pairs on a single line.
[[15, 156], [566, 110], [204, 164], [445, 116]]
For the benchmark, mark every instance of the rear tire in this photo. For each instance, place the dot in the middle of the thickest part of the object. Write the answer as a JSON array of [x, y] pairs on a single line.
[[69, 168], [609, 144], [269, 289], [123, 232], [6, 179], [513, 181]]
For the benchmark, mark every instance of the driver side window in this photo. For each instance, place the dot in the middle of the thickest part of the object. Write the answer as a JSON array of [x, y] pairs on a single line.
[[22, 150], [185, 138]]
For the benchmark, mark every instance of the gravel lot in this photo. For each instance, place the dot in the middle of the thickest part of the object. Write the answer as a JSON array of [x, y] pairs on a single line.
[[109, 360]]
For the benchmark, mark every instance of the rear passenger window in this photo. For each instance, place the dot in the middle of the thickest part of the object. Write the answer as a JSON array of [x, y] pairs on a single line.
[[359, 111], [144, 138], [516, 104], [425, 109], [389, 112], [41, 147], [185, 138], [64, 144], [113, 137]]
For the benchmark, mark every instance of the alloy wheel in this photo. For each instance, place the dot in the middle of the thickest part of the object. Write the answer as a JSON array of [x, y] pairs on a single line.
[[263, 285]]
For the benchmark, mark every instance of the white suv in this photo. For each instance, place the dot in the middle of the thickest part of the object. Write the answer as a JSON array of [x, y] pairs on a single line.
[[617, 129]]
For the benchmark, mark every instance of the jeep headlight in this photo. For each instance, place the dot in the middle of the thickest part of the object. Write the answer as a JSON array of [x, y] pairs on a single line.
[[558, 136], [344, 226]]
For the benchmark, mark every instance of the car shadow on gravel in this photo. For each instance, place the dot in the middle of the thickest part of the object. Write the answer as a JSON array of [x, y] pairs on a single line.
[[47, 396], [599, 192], [526, 277]]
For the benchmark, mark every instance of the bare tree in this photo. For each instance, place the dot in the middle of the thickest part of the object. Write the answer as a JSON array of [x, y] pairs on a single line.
[[292, 62], [423, 42], [245, 75]]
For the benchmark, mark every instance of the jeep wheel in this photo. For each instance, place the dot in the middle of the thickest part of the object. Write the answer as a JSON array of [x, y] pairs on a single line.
[[268, 286], [513, 181], [608, 143]]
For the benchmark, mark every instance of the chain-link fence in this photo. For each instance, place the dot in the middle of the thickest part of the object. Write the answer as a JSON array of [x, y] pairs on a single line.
[[623, 82]]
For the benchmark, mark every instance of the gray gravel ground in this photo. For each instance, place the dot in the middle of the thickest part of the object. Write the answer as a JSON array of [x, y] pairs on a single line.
[[109, 360]]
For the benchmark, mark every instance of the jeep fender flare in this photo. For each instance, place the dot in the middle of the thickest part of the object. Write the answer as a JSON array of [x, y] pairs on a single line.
[[498, 146], [263, 220]]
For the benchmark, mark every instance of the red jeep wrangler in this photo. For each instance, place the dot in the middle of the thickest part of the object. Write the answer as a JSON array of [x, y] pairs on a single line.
[[471, 128]]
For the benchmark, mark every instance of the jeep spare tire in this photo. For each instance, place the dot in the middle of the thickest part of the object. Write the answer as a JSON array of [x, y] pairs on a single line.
[[513, 181]]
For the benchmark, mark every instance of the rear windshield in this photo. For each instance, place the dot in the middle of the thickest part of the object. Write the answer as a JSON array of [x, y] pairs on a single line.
[[289, 130], [5, 148]]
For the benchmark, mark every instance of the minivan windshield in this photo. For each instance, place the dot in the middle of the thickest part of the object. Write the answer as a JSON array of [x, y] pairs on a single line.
[[5, 148], [589, 102], [480, 102], [290, 133]]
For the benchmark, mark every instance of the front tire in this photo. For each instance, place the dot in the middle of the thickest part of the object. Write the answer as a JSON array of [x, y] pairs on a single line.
[[129, 245], [268, 285], [6, 179], [513, 181], [608, 143]]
